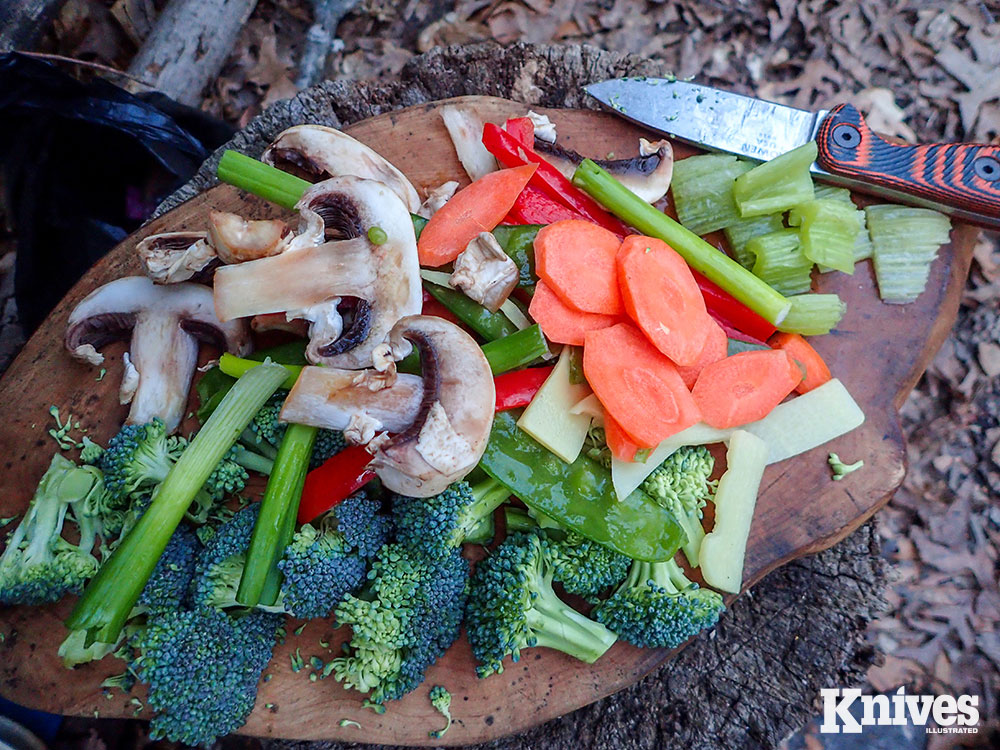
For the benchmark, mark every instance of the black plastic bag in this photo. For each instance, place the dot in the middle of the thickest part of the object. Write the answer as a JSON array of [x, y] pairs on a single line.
[[83, 166]]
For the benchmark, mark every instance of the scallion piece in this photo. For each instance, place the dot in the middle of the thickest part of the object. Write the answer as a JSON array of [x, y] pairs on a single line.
[[780, 262], [699, 254], [776, 185], [702, 187], [905, 242], [813, 314], [110, 596], [236, 367], [261, 179]]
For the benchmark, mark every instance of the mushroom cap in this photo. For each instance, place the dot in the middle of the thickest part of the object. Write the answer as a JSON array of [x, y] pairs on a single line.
[[317, 152], [171, 257]]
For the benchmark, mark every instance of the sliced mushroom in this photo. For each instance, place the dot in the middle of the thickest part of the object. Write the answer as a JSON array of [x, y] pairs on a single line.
[[279, 322], [379, 284], [465, 128], [338, 399], [436, 198], [647, 175], [237, 240], [485, 272], [545, 129], [315, 153], [448, 436], [177, 256], [165, 323]]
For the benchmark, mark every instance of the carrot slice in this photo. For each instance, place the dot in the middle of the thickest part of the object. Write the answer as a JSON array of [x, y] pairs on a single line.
[[716, 348], [576, 259], [802, 352], [662, 297], [476, 208], [745, 387], [639, 387], [622, 446], [563, 324]]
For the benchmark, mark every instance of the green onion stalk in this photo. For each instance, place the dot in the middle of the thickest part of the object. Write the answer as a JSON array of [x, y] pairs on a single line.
[[110, 596]]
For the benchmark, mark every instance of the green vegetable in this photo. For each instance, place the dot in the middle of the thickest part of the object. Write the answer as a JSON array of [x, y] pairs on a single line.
[[579, 496], [905, 242], [236, 367], [512, 607], [699, 254], [829, 231], [778, 184], [840, 469], [377, 236], [518, 243], [348, 723], [813, 314], [576, 376], [739, 234], [658, 607], [724, 548], [519, 349], [735, 346], [39, 565], [702, 187], [441, 700], [681, 485], [110, 596], [863, 244], [780, 262], [490, 325], [548, 419], [261, 179]]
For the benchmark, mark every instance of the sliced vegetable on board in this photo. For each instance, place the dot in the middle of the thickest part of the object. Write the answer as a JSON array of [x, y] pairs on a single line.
[[779, 260], [703, 191], [577, 260], [813, 314], [716, 348], [802, 352], [776, 185], [548, 418], [560, 322], [829, 231], [905, 242], [739, 234], [516, 389], [745, 387]]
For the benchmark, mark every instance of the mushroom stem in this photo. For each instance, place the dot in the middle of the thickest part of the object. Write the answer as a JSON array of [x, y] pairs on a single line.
[[165, 356]]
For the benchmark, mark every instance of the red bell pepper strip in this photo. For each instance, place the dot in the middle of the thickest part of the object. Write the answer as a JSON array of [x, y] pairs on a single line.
[[730, 312], [732, 333], [516, 389], [535, 207], [512, 153], [522, 128], [337, 479]]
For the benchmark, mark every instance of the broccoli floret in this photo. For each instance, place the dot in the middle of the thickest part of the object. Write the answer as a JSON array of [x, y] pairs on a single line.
[[680, 484], [328, 444], [137, 459], [840, 469], [202, 667], [265, 429], [440, 524], [167, 588], [658, 607], [319, 570], [364, 529], [441, 700], [404, 619], [39, 565], [512, 607], [583, 567], [220, 564]]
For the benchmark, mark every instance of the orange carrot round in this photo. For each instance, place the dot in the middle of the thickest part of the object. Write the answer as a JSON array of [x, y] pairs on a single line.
[[577, 260], [639, 387], [621, 445], [800, 350], [745, 387], [476, 208], [663, 298], [716, 348], [561, 323]]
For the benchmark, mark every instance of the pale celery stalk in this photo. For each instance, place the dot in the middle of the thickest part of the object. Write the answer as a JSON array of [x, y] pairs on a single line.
[[780, 262], [905, 242], [828, 229], [698, 254], [813, 314], [109, 597], [776, 185], [862, 245], [739, 234], [702, 187]]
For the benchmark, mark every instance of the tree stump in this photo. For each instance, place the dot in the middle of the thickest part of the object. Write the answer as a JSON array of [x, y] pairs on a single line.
[[756, 677]]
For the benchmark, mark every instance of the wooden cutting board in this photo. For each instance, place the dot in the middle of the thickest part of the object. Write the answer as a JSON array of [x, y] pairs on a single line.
[[878, 351]]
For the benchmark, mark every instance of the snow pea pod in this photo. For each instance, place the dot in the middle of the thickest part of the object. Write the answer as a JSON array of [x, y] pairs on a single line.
[[579, 495], [519, 243]]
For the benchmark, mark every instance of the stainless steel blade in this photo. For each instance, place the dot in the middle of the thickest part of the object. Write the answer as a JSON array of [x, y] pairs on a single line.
[[709, 118]]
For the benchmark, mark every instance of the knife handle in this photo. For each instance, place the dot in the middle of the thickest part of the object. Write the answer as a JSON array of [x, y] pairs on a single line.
[[962, 175]]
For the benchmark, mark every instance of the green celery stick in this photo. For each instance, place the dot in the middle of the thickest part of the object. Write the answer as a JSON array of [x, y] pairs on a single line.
[[776, 185]]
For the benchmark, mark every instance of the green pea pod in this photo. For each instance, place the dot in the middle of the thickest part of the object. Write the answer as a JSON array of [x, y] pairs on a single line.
[[519, 243], [419, 222], [517, 350], [491, 326], [579, 495]]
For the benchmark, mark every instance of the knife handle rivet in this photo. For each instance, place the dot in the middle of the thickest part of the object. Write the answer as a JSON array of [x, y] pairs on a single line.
[[987, 168], [846, 135]]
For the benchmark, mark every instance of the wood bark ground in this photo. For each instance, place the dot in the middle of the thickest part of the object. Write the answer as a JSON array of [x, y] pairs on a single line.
[[23, 21], [189, 45], [756, 677]]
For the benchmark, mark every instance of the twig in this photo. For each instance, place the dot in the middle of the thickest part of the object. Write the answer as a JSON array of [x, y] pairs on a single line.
[[87, 64], [320, 38]]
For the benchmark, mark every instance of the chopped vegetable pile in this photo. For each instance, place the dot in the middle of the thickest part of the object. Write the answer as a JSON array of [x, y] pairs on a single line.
[[533, 363]]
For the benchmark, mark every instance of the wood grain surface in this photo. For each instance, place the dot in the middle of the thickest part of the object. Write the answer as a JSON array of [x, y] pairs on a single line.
[[878, 351]]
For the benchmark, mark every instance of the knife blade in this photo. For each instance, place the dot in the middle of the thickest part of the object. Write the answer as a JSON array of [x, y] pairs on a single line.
[[962, 180]]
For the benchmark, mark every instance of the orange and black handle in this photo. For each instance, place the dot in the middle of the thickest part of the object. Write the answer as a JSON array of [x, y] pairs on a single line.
[[965, 176]]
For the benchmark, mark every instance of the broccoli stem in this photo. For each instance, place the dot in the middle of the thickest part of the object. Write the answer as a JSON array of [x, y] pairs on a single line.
[[280, 502], [478, 515], [106, 602], [518, 520], [252, 441], [253, 461], [667, 575], [556, 625]]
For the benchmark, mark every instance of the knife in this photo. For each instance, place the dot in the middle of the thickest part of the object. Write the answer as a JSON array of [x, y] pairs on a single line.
[[960, 179]]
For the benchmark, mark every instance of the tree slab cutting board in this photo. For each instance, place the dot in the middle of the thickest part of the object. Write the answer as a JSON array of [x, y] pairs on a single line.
[[878, 351]]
